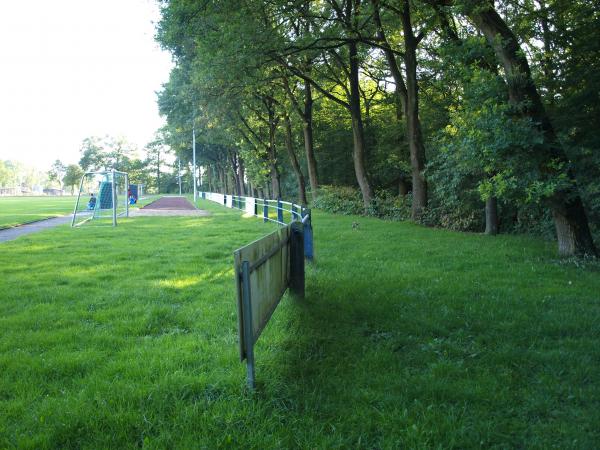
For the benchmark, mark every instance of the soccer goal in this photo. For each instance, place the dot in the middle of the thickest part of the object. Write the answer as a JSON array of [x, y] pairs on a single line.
[[102, 195]]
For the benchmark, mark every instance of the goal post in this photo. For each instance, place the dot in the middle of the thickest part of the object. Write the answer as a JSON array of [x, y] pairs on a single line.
[[102, 195]]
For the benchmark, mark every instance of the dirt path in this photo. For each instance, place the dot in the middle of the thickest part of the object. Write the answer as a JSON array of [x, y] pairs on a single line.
[[169, 206], [177, 203], [12, 233]]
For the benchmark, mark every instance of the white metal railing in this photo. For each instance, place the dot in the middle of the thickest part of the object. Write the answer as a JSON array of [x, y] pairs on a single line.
[[278, 211]]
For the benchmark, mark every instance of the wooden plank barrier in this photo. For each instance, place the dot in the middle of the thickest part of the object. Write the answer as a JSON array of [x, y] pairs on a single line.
[[265, 269]]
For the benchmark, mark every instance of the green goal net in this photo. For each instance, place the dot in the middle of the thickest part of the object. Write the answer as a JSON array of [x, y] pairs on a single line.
[[102, 195]]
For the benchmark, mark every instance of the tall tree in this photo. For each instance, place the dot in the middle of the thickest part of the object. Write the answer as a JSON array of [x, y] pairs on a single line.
[[572, 228], [408, 92], [72, 176], [57, 172]]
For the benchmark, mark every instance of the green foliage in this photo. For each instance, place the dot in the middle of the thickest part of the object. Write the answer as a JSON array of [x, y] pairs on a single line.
[[348, 201], [108, 153], [484, 151], [14, 174], [57, 172], [5, 175], [235, 59], [72, 176], [339, 200], [457, 216], [389, 206]]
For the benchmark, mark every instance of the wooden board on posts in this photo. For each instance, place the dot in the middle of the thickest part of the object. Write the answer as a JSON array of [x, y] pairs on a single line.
[[269, 277]]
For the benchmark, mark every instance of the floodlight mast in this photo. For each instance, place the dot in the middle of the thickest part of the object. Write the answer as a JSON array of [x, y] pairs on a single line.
[[194, 159], [179, 173]]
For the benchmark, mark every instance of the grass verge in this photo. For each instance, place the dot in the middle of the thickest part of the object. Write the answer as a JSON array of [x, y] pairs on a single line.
[[20, 210], [408, 338]]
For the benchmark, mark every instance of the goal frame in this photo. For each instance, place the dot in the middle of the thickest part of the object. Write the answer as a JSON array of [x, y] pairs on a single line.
[[111, 175]]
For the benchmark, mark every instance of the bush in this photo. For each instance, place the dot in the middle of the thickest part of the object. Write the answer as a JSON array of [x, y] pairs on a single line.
[[390, 207], [340, 200], [460, 218], [348, 201]]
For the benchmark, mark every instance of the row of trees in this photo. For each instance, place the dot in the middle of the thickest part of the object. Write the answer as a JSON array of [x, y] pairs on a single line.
[[155, 169], [17, 175], [457, 104]]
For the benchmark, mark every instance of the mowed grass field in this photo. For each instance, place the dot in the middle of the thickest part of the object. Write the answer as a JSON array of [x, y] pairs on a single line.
[[408, 338], [20, 210]]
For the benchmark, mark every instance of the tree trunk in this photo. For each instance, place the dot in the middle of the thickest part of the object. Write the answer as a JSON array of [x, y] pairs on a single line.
[[209, 177], [241, 170], [221, 180], [413, 124], [275, 177], [311, 161], [294, 161], [225, 182], [572, 229], [235, 189], [358, 155], [231, 184], [402, 187], [491, 215], [408, 93]]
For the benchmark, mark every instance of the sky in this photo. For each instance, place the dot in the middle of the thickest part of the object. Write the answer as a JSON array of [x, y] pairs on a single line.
[[71, 69]]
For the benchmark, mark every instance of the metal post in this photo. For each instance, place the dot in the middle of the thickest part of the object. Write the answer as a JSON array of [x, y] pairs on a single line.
[[114, 199], [297, 259], [255, 200], [294, 215], [279, 211], [308, 235], [77, 202], [247, 323], [265, 210], [179, 173], [194, 159], [127, 199]]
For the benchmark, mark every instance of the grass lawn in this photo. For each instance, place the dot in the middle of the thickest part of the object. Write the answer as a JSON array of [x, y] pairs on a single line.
[[19, 210], [408, 338]]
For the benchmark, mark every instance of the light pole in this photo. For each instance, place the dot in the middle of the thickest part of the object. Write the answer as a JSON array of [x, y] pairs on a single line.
[[179, 173], [194, 159]]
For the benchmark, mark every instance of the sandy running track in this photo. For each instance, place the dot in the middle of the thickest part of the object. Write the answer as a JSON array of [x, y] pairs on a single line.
[[169, 206]]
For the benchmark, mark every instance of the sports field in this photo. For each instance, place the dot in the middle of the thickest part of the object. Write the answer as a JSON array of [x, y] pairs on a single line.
[[409, 337], [19, 210]]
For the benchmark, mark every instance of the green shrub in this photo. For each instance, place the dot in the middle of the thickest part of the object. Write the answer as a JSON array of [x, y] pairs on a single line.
[[339, 200], [390, 207], [348, 201], [453, 217]]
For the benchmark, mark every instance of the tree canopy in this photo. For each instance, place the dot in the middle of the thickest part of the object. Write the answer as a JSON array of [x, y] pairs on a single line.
[[471, 114]]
